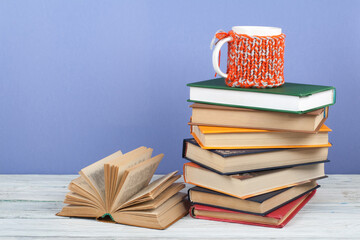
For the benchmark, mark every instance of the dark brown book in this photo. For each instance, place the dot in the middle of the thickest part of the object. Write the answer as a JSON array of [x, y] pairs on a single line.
[[262, 204], [232, 161]]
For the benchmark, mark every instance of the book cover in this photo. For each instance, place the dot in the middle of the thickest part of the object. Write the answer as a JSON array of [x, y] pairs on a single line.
[[231, 187], [214, 130], [223, 130], [258, 199], [236, 152], [288, 88], [277, 119], [216, 88], [285, 213], [228, 152]]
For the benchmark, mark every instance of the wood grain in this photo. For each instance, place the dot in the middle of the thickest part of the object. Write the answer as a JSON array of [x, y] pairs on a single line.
[[28, 204]]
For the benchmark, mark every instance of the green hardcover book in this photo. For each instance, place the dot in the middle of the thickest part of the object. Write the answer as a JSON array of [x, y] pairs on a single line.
[[290, 97]]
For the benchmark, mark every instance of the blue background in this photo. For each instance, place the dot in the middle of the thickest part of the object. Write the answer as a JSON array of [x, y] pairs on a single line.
[[80, 80]]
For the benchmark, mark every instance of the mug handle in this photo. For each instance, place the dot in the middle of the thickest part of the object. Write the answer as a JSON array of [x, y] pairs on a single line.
[[215, 56]]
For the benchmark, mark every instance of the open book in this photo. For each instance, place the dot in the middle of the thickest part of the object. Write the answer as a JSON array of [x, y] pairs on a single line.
[[117, 189]]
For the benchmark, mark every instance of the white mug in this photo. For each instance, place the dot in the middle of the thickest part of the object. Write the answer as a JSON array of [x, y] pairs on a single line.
[[248, 30]]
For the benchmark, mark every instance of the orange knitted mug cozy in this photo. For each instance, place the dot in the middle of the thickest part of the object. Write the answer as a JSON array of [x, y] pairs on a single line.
[[254, 61]]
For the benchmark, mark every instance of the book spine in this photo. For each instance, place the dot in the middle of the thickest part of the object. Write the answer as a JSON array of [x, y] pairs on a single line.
[[184, 148]]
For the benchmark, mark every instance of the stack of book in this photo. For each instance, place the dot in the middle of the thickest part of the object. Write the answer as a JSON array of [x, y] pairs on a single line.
[[256, 154]]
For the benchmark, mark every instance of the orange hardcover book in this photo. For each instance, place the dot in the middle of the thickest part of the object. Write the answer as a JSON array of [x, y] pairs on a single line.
[[210, 137], [213, 129]]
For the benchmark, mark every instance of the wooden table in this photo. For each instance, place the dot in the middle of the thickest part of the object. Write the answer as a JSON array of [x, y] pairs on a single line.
[[28, 204]]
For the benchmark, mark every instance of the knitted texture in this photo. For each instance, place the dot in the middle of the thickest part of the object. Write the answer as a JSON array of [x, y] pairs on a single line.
[[254, 61]]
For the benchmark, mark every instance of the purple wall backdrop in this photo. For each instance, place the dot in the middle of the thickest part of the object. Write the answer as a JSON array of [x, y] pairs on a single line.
[[81, 79]]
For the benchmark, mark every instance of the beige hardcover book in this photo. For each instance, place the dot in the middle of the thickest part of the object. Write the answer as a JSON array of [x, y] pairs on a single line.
[[254, 183], [229, 161], [214, 115], [118, 189]]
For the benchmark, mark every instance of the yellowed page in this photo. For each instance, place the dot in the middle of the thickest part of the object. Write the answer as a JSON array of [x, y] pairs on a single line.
[[80, 211], [159, 200], [94, 174], [135, 179], [148, 189], [157, 211], [81, 187], [129, 161], [73, 198], [159, 218], [117, 168]]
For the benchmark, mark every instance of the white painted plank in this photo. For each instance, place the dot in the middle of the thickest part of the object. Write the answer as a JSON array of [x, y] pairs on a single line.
[[28, 204]]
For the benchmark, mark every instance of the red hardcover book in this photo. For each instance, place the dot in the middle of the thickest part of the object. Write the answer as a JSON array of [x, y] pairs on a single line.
[[276, 219]]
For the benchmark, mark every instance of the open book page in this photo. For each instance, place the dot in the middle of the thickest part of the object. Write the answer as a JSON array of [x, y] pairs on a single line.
[[135, 179], [168, 204], [80, 211], [81, 187], [157, 191], [114, 170], [94, 174], [73, 198], [159, 218], [178, 197], [159, 200], [150, 189]]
